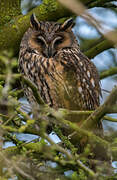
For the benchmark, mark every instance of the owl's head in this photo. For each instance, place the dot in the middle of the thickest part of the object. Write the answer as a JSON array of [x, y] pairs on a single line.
[[49, 37]]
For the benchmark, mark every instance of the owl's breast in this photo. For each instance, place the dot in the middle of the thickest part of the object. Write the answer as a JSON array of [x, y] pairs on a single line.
[[68, 80], [55, 88], [57, 83]]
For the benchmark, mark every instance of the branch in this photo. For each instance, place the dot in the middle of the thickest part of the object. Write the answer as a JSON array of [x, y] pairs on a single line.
[[108, 118], [109, 106], [47, 151], [55, 117], [87, 44], [14, 76], [92, 121], [108, 73], [80, 10], [110, 5], [98, 48], [37, 147], [81, 136], [34, 89], [114, 153], [98, 3]]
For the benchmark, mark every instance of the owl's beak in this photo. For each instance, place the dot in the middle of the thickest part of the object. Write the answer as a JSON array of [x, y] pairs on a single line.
[[49, 52]]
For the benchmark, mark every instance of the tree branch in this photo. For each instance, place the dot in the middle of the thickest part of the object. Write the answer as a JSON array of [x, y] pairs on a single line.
[[98, 48], [92, 121], [108, 118], [108, 73], [34, 89], [98, 3], [108, 107], [110, 5], [82, 136]]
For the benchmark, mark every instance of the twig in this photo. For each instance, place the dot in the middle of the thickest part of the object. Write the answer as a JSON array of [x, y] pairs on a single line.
[[81, 133], [110, 119], [59, 148], [34, 89], [105, 90], [107, 73], [98, 48], [15, 166], [98, 3], [79, 9], [14, 76], [109, 106], [70, 157], [110, 5]]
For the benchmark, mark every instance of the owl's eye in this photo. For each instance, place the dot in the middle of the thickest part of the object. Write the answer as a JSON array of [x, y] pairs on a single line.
[[40, 40], [58, 41]]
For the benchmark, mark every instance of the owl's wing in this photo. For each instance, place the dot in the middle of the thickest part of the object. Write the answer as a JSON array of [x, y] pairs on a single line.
[[86, 75]]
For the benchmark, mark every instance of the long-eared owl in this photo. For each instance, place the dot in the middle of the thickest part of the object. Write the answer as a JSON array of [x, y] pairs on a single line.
[[51, 58]]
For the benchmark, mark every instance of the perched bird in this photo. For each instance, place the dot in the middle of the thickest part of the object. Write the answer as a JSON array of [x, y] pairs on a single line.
[[51, 58]]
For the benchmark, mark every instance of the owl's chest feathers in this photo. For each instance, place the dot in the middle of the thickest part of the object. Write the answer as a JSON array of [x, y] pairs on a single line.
[[59, 82], [67, 80], [52, 76]]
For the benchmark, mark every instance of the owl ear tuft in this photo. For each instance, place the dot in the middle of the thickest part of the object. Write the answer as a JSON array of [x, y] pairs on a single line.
[[68, 24], [34, 22]]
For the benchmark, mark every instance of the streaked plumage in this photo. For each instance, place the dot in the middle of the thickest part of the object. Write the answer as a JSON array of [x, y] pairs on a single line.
[[51, 58]]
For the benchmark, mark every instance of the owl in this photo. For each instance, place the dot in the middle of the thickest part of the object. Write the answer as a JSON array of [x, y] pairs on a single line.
[[50, 58]]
